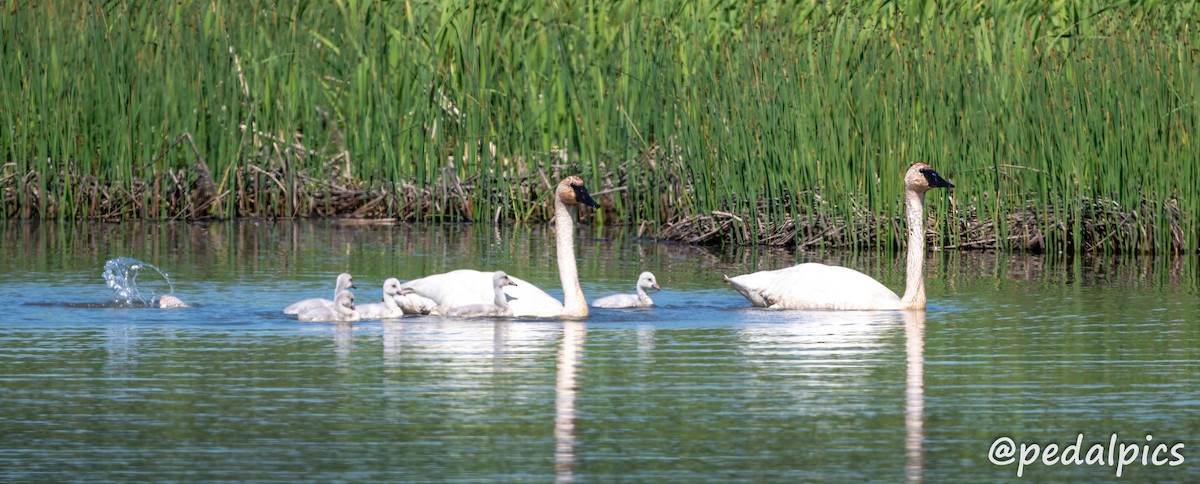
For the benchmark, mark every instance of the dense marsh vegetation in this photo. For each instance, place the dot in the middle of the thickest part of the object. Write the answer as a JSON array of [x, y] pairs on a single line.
[[1066, 126]]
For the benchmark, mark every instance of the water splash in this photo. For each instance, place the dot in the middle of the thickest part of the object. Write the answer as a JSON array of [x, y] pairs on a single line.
[[121, 275]]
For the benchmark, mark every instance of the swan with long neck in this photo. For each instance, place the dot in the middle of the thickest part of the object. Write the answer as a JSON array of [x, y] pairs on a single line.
[[818, 286], [465, 287], [344, 283], [640, 300]]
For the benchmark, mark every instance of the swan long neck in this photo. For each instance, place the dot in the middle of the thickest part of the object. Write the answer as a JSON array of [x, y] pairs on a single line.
[[500, 301], [642, 296], [574, 304], [914, 285]]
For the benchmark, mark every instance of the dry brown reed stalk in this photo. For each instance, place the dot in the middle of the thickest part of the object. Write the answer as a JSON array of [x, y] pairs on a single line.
[[1105, 226], [263, 188]]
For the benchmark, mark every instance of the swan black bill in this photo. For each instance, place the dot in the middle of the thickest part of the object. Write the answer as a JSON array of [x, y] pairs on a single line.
[[582, 196], [935, 180]]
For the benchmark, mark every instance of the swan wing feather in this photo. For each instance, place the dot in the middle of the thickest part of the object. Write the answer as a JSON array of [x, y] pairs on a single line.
[[307, 305], [618, 301]]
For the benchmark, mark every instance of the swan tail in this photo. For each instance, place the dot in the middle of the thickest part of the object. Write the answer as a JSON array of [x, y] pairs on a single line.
[[753, 294]]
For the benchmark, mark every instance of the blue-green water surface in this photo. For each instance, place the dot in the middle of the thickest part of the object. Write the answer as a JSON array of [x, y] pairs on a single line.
[[1039, 349]]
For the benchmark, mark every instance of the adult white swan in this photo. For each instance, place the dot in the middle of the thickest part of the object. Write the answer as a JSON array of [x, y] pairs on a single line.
[[640, 300], [465, 287], [344, 283], [818, 286]]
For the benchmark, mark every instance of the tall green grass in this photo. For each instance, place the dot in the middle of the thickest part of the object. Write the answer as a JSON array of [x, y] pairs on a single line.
[[1065, 125]]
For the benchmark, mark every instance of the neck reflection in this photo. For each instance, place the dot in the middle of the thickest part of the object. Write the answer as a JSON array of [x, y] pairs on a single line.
[[914, 402], [343, 344], [564, 401], [393, 342]]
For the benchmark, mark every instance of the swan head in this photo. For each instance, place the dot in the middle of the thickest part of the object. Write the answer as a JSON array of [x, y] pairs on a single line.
[[391, 287], [646, 281], [344, 299], [921, 178], [571, 191], [501, 279], [345, 281]]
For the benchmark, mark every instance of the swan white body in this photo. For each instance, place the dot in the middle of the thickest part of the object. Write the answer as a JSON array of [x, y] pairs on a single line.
[[640, 300], [815, 286], [466, 287], [497, 309], [389, 308], [818, 286], [342, 310], [344, 283]]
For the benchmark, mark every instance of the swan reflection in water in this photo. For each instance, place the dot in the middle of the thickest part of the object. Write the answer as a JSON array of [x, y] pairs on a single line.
[[464, 353], [564, 400], [847, 343], [914, 394], [343, 344], [393, 341]]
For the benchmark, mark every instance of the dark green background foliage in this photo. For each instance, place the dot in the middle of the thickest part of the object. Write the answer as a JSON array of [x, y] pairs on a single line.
[[1065, 125]]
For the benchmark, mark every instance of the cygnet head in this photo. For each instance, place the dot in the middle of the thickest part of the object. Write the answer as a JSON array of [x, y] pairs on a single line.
[[344, 299], [921, 178], [646, 281], [391, 287], [501, 279], [571, 191], [345, 281]]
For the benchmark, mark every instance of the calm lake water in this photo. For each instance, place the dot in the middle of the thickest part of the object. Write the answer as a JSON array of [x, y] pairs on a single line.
[[700, 388]]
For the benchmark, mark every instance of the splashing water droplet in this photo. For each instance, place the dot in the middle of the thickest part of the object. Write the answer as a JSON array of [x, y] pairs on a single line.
[[121, 275]]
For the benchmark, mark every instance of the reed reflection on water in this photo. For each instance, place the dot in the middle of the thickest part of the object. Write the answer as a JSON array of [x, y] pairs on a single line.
[[699, 387]]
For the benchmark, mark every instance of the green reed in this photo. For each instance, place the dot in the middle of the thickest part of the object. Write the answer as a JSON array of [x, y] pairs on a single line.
[[1066, 125]]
